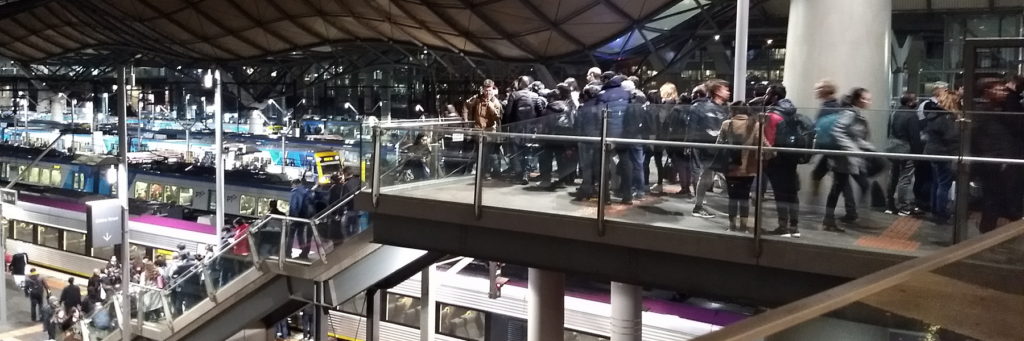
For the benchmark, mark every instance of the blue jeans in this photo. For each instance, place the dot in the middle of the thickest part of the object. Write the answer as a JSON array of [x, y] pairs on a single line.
[[942, 180], [636, 157]]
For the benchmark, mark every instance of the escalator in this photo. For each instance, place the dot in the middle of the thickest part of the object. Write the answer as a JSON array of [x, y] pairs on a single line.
[[219, 296]]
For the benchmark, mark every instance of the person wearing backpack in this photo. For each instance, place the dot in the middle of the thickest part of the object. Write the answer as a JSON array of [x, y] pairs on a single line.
[[905, 132], [36, 290], [848, 131], [824, 91], [523, 106], [785, 128], [559, 119], [705, 119], [741, 130]]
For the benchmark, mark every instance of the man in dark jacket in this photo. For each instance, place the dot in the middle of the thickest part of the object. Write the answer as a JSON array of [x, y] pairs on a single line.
[[997, 135], [782, 169], [71, 296], [588, 123], [36, 290], [300, 206], [351, 186], [616, 100], [559, 117], [523, 107], [904, 138], [705, 122]]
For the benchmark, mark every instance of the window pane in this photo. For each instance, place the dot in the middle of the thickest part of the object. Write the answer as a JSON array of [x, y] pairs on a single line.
[[141, 189], [403, 310], [44, 176], [263, 207], [185, 196], [282, 205], [213, 200], [78, 181], [103, 252], [247, 205], [462, 322], [49, 237], [74, 242], [170, 194], [24, 232], [356, 305], [56, 179], [156, 192], [33, 175]]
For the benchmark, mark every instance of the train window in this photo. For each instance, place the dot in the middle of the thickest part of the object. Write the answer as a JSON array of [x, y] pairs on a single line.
[[103, 252], [21, 171], [170, 194], [44, 176], [463, 323], [283, 206], [56, 180], [78, 181], [572, 335], [74, 242], [403, 310], [3, 170], [262, 206], [33, 175], [213, 200], [156, 192], [185, 196], [247, 205], [141, 189], [49, 236], [355, 305], [24, 231]]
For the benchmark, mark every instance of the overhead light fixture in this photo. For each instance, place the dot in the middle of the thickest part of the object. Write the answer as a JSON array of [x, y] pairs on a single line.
[[769, 41], [208, 79], [717, 37]]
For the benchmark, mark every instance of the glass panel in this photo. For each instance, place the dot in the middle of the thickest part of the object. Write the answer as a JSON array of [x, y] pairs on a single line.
[[141, 190], [263, 207], [56, 179], [103, 252], [156, 192], [355, 305], [462, 322], [185, 196], [233, 260], [49, 237], [101, 322], [74, 242], [33, 175], [186, 287], [148, 300], [24, 231], [213, 200], [171, 194], [247, 205], [282, 206], [404, 310], [44, 176]]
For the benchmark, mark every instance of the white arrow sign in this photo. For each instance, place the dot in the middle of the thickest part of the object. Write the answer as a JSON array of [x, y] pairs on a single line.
[[107, 236]]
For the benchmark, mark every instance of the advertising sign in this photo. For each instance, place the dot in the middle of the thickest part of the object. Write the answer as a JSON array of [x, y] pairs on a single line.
[[103, 220]]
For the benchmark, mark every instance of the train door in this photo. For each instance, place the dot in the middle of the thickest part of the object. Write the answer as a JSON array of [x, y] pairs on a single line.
[[327, 163]]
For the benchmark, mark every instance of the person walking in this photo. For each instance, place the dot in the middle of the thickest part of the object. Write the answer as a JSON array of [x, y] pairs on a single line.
[[300, 205], [71, 296], [849, 132], [36, 290], [705, 121]]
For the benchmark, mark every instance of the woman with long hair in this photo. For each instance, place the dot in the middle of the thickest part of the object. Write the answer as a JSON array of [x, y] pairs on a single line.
[[669, 98], [740, 130], [941, 137]]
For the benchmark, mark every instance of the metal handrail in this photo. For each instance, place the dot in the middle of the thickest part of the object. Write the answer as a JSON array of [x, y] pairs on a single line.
[[777, 320], [334, 207], [200, 266]]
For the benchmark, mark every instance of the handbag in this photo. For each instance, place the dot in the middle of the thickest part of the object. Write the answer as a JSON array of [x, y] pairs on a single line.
[[726, 159]]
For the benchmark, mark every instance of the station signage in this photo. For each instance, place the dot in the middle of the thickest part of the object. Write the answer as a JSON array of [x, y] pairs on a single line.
[[103, 221], [9, 196]]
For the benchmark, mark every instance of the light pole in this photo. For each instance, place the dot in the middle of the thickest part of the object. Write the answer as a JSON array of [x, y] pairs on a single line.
[[122, 196], [212, 79]]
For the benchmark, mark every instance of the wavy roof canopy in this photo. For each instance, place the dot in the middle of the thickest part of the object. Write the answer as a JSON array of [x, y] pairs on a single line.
[[238, 30]]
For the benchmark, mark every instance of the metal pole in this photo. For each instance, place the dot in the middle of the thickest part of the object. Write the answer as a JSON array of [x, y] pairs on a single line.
[[761, 186], [284, 148], [479, 184], [122, 196], [218, 142], [376, 165], [739, 82], [602, 186], [188, 144]]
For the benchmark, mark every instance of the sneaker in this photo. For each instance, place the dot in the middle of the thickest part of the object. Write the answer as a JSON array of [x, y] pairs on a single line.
[[904, 213], [702, 213], [524, 182], [656, 189], [544, 184], [627, 202], [794, 233], [890, 211], [848, 218]]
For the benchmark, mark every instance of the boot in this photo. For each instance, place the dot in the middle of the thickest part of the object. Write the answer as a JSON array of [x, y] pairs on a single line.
[[732, 224]]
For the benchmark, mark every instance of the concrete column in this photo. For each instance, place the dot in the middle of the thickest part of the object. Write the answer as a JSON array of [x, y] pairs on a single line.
[[428, 299], [546, 305], [627, 306], [845, 41]]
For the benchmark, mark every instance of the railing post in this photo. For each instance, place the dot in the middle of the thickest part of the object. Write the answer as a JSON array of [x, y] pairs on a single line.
[[319, 242], [211, 292], [602, 186], [479, 184], [284, 251], [254, 249], [963, 183], [165, 301], [376, 165]]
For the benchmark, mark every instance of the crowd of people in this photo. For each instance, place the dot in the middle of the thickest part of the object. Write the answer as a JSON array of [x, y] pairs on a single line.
[[709, 115]]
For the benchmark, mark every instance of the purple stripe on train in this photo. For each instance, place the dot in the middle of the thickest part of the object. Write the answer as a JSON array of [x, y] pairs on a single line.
[[55, 203], [177, 224]]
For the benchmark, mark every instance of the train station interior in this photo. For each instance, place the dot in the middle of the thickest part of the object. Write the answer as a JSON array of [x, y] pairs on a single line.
[[512, 170]]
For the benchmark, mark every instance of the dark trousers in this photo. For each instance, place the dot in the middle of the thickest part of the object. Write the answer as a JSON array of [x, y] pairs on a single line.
[[1001, 191], [841, 185], [739, 195], [923, 184], [37, 306], [901, 183], [942, 180], [625, 171], [301, 232], [786, 186], [554, 152], [418, 169], [684, 169], [590, 168], [517, 159], [655, 153], [307, 325], [636, 157]]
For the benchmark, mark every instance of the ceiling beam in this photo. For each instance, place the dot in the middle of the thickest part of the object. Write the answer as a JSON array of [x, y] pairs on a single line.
[[487, 20]]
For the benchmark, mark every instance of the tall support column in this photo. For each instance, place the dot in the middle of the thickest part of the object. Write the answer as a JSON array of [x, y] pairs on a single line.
[[428, 299], [627, 306], [374, 311], [739, 78], [122, 196], [546, 305], [218, 113], [845, 41]]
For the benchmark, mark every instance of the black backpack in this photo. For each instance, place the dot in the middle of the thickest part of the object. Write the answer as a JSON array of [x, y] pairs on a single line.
[[33, 288], [524, 108], [795, 132]]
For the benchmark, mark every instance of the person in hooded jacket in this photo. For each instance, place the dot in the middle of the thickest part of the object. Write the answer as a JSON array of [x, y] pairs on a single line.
[[616, 100], [904, 138], [588, 123], [636, 127], [676, 129], [705, 122], [851, 133], [824, 91], [559, 117], [782, 170], [523, 107], [941, 137]]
